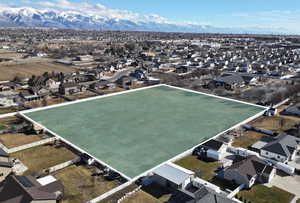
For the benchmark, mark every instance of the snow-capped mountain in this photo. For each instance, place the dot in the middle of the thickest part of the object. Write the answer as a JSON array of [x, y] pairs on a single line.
[[32, 17]]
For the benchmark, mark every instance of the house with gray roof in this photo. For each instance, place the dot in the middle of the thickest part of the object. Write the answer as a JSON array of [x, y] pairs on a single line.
[[27, 189], [283, 148], [230, 81], [199, 195], [292, 110], [248, 170]]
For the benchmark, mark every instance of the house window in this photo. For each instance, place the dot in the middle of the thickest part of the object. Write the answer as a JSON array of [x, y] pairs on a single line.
[[267, 153], [1, 174], [278, 157]]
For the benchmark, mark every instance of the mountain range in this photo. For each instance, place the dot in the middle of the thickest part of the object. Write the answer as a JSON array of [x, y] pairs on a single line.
[[72, 19]]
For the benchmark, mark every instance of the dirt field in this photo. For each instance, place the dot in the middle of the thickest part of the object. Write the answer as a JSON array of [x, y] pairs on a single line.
[[19, 139], [80, 185], [8, 72]]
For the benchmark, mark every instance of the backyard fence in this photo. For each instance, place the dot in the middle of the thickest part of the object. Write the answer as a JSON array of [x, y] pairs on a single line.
[[109, 193], [281, 103], [61, 166], [34, 144], [129, 194], [234, 192]]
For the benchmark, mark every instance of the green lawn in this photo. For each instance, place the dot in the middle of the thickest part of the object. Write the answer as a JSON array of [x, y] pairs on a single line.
[[133, 132], [263, 194], [204, 170]]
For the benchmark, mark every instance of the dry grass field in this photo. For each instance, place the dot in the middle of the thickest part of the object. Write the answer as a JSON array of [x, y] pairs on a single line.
[[142, 196], [248, 139], [19, 139], [80, 184], [8, 72], [43, 157], [274, 123]]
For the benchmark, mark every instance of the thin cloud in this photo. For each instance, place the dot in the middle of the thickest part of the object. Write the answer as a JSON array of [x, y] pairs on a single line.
[[288, 19]]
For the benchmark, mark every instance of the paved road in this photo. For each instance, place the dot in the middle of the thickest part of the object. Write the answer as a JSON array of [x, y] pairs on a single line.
[[120, 74]]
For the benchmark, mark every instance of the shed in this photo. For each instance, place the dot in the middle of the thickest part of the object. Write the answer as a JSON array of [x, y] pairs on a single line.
[[174, 175]]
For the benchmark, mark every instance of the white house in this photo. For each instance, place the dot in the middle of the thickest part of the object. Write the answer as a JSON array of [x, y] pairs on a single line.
[[283, 148]]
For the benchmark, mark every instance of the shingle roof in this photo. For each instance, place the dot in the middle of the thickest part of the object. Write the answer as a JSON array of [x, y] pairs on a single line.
[[284, 145], [16, 189], [250, 167], [231, 79], [213, 144]]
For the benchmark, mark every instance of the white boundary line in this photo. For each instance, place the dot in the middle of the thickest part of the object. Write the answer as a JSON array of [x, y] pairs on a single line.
[[74, 146], [172, 160], [212, 95], [88, 99], [179, 156]]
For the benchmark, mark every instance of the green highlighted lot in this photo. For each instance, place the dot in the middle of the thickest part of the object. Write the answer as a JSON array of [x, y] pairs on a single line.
[[135, 131]]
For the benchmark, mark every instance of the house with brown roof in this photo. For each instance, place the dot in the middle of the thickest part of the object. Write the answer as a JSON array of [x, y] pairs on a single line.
[[248, 171], [27, 189]]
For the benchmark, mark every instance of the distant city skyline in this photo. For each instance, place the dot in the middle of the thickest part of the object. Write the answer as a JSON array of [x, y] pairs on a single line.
[[232, 13]]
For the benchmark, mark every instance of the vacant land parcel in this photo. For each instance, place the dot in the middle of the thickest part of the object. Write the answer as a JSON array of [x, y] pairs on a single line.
[[9, 71], [136, 131]]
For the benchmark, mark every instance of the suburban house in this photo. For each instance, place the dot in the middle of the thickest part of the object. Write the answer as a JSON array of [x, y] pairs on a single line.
[[230, 81], [28, 96], [71, 88], [248, 171], [213, 149], [5, 165], [250, 79], [185, 187], [292, 110], [199, 194], [16, 189], [283, 148], [126, 81]]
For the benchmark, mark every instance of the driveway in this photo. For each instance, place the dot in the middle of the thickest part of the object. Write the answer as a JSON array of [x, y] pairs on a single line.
[[288, 183]]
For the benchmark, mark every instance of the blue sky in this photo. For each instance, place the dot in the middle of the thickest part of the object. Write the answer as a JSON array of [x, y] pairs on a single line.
[[234, 13]]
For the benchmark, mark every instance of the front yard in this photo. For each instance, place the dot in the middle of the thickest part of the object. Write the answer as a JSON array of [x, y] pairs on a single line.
[[43, 157], [263, 194], [19, 139], [80, 184], [202, 169]]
